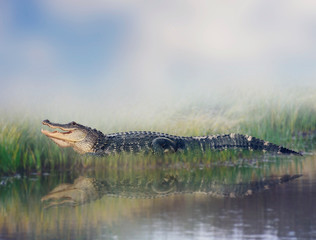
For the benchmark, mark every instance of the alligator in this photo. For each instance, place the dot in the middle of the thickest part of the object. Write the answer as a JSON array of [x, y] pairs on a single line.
[[85, 189], [87, 140]]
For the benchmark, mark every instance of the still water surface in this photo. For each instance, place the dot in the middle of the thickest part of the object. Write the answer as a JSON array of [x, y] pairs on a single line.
[[220, 202]]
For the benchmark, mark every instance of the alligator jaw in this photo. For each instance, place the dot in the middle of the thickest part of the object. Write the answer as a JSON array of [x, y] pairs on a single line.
[[63, 127], [63, 139], [56, 134]]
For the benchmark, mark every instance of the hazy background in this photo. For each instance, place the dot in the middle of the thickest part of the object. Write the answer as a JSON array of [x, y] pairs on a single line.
[[95, 57]]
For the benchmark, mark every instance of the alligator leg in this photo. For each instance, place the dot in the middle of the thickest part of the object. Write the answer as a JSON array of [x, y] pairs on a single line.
[[163, 145]]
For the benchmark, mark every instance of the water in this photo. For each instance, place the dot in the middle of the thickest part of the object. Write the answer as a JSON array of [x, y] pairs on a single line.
[[219, 202]]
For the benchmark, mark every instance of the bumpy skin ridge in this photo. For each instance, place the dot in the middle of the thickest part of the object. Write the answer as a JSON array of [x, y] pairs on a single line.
[[136, 141]]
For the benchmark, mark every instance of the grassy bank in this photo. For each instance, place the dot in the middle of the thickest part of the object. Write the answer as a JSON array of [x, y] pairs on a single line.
[[282, 120]]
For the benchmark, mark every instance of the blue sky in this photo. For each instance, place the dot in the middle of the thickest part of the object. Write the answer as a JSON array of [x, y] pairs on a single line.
[[141, 49], [82, 49]]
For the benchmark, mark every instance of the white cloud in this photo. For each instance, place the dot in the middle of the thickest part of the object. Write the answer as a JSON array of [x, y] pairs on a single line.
[[239, 40]]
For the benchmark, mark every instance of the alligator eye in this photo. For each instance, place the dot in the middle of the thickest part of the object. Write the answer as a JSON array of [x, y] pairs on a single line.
[[73, 123]]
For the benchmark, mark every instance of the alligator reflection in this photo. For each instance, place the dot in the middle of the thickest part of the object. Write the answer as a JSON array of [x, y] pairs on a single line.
[[205, 181]]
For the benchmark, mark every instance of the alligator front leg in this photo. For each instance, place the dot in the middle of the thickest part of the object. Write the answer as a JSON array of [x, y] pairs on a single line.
[[163, 145]]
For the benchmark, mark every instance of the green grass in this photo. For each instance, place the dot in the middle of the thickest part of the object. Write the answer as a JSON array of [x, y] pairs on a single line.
[[282, 120], [24, 149]]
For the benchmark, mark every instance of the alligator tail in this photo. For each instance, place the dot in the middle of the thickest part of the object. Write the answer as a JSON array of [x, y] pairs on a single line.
[[258, 144], [289, 151], [240, 141]]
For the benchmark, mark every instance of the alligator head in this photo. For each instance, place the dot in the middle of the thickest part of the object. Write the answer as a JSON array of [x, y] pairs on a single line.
[[80, 138]]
